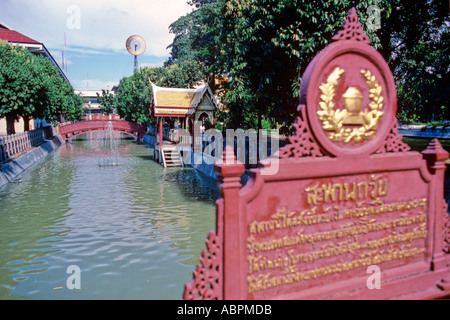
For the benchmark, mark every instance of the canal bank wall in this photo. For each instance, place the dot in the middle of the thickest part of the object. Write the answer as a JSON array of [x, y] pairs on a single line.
[[12, 169], [422, 131], [198, 161]]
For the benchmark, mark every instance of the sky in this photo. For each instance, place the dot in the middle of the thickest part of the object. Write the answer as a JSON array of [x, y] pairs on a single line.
[[96, 32]]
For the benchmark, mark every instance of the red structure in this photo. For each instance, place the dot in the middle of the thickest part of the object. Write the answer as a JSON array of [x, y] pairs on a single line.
[[74, 129], [348, 198], [190, 107]]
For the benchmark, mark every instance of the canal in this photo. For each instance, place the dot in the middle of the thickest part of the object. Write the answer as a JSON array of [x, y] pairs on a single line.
[[135, 230]]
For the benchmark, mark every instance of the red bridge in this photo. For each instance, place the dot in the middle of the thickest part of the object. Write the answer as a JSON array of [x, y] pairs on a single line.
[[75, 129]]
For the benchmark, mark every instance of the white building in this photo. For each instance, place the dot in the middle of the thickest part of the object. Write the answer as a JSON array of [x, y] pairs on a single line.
[[91, 104]]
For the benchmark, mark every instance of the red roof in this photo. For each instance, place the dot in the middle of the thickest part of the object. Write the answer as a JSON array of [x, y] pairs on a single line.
[[16, 37]]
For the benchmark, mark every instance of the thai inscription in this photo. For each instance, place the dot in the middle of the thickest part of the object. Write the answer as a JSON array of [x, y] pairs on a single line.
[[376, 187], [342, 227]]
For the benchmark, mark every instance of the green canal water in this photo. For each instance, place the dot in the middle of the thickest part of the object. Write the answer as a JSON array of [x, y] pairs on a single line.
[[135, 231]]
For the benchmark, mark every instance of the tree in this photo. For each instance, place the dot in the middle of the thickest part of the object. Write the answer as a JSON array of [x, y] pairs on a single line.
[[134, 94], [414, 38], [134, 97], [107, 102], [182, 74], [264, 46], [20, 85], [73, 104], [58, 95], [31, 87], [267, 46], [197, 37]]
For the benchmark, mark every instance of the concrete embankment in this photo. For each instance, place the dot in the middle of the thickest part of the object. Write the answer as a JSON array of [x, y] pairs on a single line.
[[12, 169], [202, 163], [422, 131]]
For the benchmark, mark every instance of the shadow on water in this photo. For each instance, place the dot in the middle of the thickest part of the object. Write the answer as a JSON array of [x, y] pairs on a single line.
[[149, 157], [193, 184]]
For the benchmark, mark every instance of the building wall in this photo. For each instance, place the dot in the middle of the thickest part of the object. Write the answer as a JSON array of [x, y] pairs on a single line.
[[18, 125]]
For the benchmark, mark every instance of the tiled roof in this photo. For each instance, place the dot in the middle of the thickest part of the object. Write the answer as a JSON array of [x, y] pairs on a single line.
[[16, 37], [177, 97]]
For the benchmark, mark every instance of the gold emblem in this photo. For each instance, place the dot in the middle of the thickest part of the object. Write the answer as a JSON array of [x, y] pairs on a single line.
[[340, 122], [352, 114]]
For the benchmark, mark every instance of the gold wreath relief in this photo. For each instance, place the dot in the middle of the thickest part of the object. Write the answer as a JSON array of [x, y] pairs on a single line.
[[334, 120]]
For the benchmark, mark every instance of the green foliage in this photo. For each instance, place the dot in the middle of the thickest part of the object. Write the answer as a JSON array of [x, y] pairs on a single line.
[[264, 46], [74, 106], [134, 97], [196, 34], [416, 43], [58, 97], [134, 94], [183, 74], [267, 47], [107, 102], [21, 85], [30, 86]]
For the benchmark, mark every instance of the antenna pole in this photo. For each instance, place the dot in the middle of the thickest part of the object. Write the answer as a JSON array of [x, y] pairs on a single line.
[[65, 47], [135, 59]]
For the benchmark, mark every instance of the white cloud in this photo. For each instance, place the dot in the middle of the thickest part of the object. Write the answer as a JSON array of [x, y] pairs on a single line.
[[100, 30], [152, 65], [93, 84], [98, 25], [66, 61]]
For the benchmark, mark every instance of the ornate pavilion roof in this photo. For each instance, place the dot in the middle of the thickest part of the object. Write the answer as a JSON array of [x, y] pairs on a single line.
[[179, 102]]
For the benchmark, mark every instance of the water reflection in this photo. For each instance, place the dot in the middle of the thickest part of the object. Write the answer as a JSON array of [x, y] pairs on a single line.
[[192, 184], [135, 230]]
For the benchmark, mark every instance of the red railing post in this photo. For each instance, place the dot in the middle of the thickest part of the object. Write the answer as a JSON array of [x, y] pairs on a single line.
[[435, 156], [229, 172]]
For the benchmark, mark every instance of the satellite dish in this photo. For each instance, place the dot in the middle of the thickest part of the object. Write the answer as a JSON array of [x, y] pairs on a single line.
[[136, 46]]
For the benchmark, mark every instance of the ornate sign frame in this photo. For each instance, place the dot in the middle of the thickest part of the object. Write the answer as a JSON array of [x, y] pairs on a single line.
[[348, 195]]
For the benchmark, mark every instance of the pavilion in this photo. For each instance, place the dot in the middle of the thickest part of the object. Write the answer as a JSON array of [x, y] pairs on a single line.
[[186, 106], [185, 109]]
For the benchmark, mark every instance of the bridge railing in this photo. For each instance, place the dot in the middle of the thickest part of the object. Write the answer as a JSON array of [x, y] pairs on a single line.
[[14, 144], [71, 130]]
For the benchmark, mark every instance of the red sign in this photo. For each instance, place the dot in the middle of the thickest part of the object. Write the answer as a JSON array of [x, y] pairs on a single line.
[[350, 213]]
